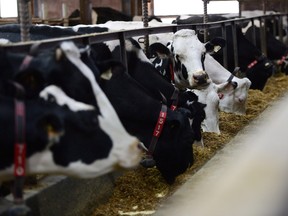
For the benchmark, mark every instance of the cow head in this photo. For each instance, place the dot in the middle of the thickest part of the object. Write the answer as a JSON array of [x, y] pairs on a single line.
[[189, 55], [258, 72], [233, 95], [174, 159]]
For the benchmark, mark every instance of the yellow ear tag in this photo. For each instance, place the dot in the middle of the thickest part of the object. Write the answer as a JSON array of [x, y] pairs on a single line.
[[216, 48]]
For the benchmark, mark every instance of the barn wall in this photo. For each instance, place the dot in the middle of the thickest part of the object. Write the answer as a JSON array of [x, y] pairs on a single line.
[[53, 9], [279, 6]]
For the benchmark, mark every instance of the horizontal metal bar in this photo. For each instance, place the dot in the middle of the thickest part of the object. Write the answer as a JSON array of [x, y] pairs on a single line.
[[101, 37]]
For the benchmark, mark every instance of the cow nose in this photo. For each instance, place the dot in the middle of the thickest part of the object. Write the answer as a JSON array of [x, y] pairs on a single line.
[[241, 100], [201, 78]]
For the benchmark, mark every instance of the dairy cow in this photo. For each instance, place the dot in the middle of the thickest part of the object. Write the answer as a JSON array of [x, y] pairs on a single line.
[[232, 91], [277, 51], [104, 14], [255, 66], [141, 69], [61, 139], [101, 125], [140, 111]]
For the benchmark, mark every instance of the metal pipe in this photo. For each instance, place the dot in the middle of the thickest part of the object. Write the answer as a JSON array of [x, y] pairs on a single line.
[[225, 55], [86, 11], [25, 22], [205, 19], [145, 23], [235, 44]]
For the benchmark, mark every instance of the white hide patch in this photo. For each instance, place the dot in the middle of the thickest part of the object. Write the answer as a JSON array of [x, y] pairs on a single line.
[[124, 145], [62, 99], [209, 96], [129, 48]]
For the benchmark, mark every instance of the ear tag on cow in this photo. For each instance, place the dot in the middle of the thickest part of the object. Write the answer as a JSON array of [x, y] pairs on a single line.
[[148, 162], [220, 95], [216, 48], [106, 75], [58, 54]]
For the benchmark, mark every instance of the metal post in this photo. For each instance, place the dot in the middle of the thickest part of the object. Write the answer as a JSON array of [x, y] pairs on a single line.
[[264, 6], [205, 19], [225, 55], [235, 44], [25, 22], [86, 11], [240, 9], [145, 23], [263, 36]]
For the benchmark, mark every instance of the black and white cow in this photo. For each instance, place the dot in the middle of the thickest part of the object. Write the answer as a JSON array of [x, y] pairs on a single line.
[[67, 70], [141, 69], [140, 111], [277, 51], [61, 140], [12, 32], [256, 67], [105, 14]]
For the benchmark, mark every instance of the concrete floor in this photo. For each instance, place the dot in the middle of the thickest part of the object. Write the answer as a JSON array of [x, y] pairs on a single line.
[[248, 177]]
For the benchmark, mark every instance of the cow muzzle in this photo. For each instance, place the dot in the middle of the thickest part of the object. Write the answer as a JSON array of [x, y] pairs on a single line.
[[132, 157], [200, 78]]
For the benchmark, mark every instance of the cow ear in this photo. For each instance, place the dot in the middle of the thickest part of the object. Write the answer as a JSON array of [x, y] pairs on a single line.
[[158, 48], [215, 45]]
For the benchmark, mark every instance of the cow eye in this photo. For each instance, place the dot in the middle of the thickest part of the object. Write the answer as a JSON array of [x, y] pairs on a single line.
[[177, 57]]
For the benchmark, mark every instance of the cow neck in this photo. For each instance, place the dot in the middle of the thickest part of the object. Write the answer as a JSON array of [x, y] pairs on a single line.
[[252, 64], [149, 162], [26, 62], [28, 58], [255, 61], [174, 99], [19, 150]]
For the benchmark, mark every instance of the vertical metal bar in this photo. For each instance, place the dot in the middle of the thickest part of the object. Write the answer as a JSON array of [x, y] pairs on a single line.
[[235, 46], [25, 22], [145, 23], [225, 55], [205, 19], [254, 32], [240, 9], [86, 11], [36, 8], [263, 36], [280, 28], [123, 49]]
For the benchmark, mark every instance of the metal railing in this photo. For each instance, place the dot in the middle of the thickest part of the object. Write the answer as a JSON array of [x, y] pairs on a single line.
[[87, 39]]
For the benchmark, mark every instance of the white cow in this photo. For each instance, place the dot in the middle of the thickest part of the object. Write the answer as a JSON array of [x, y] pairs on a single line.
[[232, 98]]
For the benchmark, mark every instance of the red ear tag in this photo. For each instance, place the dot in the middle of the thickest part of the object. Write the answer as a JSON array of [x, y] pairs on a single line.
[[220, 95]]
